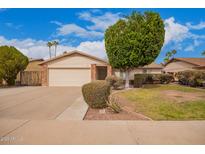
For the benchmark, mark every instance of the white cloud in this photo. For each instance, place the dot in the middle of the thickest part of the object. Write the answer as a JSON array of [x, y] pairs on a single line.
[[100, 22], [174, 32], [38, 49], [56, 22], [11, 25], [96, 48], [199, 26], [189, 48], [96, 30], [77, 30], [195, 44]]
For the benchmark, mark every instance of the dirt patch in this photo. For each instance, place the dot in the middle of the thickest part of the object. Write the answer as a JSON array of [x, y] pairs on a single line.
[[107, 114], [127, 113], [180, 96]]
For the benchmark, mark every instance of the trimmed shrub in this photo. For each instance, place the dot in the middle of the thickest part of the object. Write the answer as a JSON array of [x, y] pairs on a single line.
[[183, 77], [166, 78], [1, 81], [156, 78], [111, 80], [139, 80], [119, 84], [96, 93], [115, 82], [191, 78], [149, 79]]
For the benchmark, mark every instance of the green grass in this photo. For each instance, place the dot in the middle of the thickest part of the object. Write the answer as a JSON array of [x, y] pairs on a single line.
[[150, 101]]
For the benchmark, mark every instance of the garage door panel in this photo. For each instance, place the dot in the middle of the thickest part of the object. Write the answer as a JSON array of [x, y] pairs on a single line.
[[69, 77]]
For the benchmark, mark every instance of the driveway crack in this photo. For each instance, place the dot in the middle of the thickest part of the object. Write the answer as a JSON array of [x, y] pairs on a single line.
[[132, 135], [24, 123]]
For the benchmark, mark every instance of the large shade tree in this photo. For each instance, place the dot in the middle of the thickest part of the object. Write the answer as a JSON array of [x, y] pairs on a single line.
[[12, 61], [134, 41]]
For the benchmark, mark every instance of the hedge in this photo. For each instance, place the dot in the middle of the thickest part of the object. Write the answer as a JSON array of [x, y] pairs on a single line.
[[96, 93], [140, 79], [191, 78], [115, 82]]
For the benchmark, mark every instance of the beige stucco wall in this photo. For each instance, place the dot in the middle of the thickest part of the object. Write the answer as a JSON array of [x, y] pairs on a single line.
[[138, 71], [75, 61], [177, 66]]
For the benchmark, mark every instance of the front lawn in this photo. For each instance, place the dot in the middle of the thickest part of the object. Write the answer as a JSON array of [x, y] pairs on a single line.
[[167, 102]]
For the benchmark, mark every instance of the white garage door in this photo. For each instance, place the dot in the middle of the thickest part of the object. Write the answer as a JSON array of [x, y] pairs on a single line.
[[69, 77]]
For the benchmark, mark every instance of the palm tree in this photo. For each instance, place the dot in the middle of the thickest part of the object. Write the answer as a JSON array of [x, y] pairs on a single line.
[[55, 43], [169, 55], [49, 44]]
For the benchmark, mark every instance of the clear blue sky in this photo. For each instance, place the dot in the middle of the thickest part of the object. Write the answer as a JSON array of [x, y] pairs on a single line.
[[83, 29]]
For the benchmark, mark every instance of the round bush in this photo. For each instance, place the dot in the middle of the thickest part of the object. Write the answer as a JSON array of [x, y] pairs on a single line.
[[111, 80], [191, 78], [139, 80], [119, 84], [96, 93], [115, 82], [166, 78]]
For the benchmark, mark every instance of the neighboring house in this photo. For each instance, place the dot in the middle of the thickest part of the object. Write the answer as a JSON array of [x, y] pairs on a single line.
[[74, 69], [152, 68], [183, 64], [32, 67]]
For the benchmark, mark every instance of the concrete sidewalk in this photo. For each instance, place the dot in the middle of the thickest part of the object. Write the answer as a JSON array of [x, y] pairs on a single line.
[[76, 111], [101, 132]]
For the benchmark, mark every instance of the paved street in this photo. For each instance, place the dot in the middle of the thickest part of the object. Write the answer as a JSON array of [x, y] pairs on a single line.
[[101, 132]]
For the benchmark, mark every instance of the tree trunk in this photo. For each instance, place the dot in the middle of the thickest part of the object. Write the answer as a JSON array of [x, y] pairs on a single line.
[[50, 52], [127, 79], [55, 50]]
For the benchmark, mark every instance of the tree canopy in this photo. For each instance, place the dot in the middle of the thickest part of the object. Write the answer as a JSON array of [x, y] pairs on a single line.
[[135, 40], [203, 53], [12, 61]]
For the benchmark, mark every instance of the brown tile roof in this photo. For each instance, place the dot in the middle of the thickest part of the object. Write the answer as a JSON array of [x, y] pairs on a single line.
[[65, 54], [194, 61], [153, 65]]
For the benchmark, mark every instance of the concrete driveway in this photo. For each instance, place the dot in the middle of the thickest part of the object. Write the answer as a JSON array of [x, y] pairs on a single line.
[[37, 103], [42, 115]]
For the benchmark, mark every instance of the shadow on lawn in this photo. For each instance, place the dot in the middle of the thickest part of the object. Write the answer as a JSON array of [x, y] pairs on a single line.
[[151, 86]]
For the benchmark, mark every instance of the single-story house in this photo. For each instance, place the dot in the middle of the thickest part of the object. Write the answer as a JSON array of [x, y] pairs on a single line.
[[74, 69], [152, 68], [182, 64], [77, 68]]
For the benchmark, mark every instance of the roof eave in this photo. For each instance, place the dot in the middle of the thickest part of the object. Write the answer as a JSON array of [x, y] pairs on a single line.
[[70, 53]]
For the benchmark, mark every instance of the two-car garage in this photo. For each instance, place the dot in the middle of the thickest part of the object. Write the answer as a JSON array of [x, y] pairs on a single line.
[[69, 77], [70, 69]]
